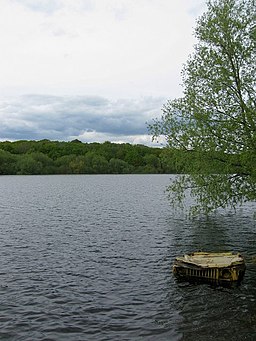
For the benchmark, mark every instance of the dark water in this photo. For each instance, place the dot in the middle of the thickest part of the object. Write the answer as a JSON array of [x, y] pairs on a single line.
[[89, 258]]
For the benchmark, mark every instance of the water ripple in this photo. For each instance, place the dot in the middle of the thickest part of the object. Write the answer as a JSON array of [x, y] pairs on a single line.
[[89, 258]]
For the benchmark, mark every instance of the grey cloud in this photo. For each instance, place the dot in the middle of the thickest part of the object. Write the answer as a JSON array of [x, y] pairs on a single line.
[[62, 118]]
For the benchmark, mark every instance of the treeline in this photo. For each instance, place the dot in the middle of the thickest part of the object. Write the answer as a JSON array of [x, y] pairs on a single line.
[[75, 157]]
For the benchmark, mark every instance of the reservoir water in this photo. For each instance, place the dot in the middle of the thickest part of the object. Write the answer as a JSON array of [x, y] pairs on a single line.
[[89, 258]]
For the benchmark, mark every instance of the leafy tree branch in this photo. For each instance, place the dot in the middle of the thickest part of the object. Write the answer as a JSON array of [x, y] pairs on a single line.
[[211, 130]]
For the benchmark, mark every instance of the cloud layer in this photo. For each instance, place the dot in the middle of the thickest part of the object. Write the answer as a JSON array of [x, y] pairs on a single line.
[[88, 119], [124, 55], [112, 48]]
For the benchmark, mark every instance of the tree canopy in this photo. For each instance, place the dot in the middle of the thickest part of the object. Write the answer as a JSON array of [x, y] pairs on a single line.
[[211, 130], [75, 157]]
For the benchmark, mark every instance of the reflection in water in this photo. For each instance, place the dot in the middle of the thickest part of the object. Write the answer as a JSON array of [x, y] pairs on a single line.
[[216, 313], [207, 311], [89, 258], [209, 234]]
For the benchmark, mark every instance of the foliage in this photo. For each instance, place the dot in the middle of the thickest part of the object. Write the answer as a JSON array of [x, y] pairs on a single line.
[[211, 130], [75, 157], [7, 163]]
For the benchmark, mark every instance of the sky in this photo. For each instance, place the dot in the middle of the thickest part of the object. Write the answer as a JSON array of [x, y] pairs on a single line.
[[93, 70]]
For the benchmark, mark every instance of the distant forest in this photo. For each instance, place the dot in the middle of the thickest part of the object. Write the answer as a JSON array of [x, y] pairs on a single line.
[[55, 157]]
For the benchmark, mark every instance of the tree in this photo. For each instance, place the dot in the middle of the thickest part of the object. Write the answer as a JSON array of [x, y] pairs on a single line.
[[7, 162], [117, 166], [211, 130], [28, 165]]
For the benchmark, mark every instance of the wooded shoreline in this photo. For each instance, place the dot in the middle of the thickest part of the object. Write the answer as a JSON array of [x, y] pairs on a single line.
[[56, 157]]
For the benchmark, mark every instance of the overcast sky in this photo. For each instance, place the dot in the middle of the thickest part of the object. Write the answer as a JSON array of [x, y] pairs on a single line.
[[96, 70]]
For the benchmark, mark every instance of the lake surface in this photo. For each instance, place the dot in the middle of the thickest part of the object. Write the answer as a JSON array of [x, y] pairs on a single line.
[[89, 258]]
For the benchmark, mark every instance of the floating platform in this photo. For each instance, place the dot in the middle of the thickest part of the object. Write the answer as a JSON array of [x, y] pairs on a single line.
[[221, 267]]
